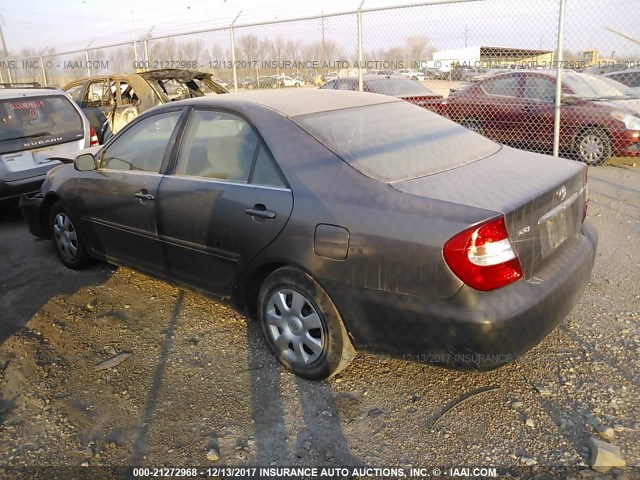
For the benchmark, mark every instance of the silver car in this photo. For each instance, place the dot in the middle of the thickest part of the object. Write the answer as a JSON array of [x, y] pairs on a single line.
[[38, 125]]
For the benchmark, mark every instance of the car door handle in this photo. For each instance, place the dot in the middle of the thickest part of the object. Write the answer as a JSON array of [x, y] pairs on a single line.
[[259, 210], [144, 195]]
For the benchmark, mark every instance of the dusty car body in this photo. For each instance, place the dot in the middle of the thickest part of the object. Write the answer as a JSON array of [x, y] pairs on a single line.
[[338, 220], [112, 101]]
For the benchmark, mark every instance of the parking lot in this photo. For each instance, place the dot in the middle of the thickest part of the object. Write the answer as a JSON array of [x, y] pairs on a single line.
[[199, 382]]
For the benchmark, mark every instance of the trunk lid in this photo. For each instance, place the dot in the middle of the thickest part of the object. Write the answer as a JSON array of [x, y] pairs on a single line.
[[541, 197]]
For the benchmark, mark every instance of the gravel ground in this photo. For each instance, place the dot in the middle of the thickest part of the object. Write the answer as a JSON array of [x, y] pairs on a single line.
[[199, 383]]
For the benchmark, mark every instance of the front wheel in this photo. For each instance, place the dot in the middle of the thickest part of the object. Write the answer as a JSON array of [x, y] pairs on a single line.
[[67, 240], [593, 146], [302, 325]]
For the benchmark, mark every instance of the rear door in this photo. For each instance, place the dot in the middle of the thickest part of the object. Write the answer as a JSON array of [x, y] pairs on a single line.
[[226, 201], [120, 196], [499, 109]]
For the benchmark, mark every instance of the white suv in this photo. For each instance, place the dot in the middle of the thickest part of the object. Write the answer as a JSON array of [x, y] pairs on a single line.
[[37, 125]]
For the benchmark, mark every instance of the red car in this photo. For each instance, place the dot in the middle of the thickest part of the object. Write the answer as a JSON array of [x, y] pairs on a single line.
[[599, 118], [394, 85]]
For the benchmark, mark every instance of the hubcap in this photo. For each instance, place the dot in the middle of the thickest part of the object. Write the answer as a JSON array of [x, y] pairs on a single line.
[[295, 327], [592, 148], [65, 236]]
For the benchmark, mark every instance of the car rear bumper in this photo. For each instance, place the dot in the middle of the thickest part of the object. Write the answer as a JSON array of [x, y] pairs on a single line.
[[31, 207], [471, 330], [15, 189]]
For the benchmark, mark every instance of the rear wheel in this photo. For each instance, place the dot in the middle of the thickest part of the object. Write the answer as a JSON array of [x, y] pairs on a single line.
[[473, 124], [67, 240], [302, 325], [593, 146]]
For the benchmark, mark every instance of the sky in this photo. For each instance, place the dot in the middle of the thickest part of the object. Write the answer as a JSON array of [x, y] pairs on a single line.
[[77, 24]]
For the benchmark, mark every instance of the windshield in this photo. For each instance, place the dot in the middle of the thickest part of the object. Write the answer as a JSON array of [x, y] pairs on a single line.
[[404, 141], [592, 86], [394, 86], [33, 117]]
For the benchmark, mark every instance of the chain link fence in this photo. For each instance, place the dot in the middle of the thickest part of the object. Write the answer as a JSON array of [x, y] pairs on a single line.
[[546, 75]]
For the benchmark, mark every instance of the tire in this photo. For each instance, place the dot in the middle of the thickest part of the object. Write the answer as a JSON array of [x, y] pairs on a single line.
[[593, 146], [67, 239], [293, 307], [474, 125]]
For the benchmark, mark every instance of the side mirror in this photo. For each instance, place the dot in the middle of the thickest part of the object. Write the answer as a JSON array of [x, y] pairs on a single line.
[[85, 162]]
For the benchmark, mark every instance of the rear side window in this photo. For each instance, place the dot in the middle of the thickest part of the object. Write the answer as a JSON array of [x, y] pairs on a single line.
[[217, 145], [33, 118], [404, 141]]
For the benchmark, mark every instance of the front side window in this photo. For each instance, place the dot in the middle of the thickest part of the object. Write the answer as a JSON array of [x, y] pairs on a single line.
[[141, 147], [217, 145], [99, 94]]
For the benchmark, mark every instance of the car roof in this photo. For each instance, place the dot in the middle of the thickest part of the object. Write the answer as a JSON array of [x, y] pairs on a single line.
[[296, 102], [28, 92]]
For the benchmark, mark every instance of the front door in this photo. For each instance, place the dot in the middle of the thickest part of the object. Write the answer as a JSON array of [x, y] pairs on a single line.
[[120, 196]]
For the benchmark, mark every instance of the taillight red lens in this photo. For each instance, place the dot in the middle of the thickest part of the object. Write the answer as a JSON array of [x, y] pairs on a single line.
[[93, 138], [482, 256]]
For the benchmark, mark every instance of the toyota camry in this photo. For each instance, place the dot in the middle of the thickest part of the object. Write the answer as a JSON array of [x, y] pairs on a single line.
[[340, 221]]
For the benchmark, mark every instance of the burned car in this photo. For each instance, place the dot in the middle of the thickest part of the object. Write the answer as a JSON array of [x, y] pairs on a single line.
[[112, 101], [408, 235]]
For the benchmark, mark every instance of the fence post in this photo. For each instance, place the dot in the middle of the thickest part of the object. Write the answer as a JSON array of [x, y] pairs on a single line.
[[233, 52], [44, 72], [559, 56], [86, 57], [359, 16]]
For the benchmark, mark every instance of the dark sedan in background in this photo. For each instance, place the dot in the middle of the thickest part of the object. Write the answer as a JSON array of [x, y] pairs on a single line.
[[396, 86], [339, 220], [600, 118]]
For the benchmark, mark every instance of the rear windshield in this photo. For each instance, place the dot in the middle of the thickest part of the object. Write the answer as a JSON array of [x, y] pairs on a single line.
[[396, 86], [35, 117], [396, 141], [592, 86]]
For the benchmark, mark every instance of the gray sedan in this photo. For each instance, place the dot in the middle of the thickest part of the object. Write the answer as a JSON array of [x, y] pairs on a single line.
[[339, 220]]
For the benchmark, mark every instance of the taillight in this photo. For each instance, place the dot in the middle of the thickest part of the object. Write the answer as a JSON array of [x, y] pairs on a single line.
[[586, 192], [93, 137], [483, 257]]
